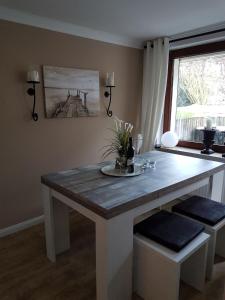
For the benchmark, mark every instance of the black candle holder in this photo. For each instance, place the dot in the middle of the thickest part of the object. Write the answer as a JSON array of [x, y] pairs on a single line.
[[32, 92], [208, 140], [109, 94]]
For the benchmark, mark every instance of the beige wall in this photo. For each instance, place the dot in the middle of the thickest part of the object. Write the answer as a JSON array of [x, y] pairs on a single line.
[[29, 149]]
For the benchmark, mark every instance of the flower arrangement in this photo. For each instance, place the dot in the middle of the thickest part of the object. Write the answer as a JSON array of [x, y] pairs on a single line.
[[119, 144]]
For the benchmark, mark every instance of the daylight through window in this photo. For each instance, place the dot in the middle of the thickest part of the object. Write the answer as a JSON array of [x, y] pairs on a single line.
[[198, 96]]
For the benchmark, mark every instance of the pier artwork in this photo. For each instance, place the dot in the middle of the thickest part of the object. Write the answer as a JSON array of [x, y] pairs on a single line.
[[71, 93]]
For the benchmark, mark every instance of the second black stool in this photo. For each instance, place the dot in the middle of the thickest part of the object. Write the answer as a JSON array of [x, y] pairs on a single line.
[[212, 215]]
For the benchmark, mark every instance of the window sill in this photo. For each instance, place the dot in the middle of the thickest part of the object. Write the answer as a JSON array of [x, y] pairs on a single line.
[[193, 153]]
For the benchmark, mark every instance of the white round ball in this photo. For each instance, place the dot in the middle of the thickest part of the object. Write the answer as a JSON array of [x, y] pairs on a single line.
[[169, 139]]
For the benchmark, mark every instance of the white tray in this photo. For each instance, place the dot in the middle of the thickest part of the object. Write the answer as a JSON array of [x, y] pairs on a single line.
[[111, 171]]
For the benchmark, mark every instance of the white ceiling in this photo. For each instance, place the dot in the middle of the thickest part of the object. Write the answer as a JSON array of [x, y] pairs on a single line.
[[139, 20]]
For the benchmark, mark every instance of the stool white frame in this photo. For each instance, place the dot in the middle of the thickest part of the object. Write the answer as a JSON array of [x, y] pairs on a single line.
[[216, 242], [158, 270]]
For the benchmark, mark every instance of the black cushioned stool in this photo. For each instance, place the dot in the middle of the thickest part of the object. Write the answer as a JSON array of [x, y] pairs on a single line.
[[212, 215], [168, 247]]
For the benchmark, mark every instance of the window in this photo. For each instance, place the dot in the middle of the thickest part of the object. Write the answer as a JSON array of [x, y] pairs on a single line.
[[196, 94]]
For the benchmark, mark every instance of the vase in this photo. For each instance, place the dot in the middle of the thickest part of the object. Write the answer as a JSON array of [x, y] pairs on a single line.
[[121, 162], [208, 140]]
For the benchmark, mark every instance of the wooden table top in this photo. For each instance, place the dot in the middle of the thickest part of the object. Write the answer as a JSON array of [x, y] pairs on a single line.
[[110, 196]]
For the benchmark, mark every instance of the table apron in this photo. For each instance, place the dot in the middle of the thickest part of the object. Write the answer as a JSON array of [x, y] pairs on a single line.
[[137, 210]]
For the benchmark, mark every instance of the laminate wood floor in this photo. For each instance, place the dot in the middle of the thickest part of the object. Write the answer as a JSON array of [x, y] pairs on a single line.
[[26, 273]]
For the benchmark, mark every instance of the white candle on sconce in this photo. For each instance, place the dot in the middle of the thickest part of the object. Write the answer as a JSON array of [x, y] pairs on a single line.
[[110, 79], [33, 76], [208, 124]]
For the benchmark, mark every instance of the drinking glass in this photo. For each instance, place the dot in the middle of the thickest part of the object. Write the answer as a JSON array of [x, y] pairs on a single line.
[[138, 142]]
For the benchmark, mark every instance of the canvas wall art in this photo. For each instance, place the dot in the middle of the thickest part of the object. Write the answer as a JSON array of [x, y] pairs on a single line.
[[71, 93]]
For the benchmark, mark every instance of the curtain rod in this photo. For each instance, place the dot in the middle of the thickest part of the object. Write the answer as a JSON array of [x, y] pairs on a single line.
[[194, 36]]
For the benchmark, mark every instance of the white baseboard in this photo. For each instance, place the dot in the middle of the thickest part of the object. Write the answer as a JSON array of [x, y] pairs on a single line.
[[20, 226]]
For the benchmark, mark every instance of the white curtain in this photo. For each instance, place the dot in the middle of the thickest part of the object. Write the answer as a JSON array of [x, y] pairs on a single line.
[[155, 68]]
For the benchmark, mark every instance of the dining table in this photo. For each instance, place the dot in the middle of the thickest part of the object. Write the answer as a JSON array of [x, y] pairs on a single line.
[[115, 203]]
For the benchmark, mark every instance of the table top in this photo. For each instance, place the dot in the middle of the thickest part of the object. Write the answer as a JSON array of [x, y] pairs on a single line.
[[110, 196]]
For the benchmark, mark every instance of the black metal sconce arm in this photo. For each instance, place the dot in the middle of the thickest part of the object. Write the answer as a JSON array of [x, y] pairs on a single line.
[[31, 92], [109, 94]]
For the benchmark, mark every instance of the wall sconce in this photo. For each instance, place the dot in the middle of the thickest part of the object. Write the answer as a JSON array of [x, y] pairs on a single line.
[[109, 84], [33, 78]]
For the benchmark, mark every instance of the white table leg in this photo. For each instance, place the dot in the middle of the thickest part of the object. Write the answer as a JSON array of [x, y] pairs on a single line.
[[114, 257], [217, 186], [56, 224]]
